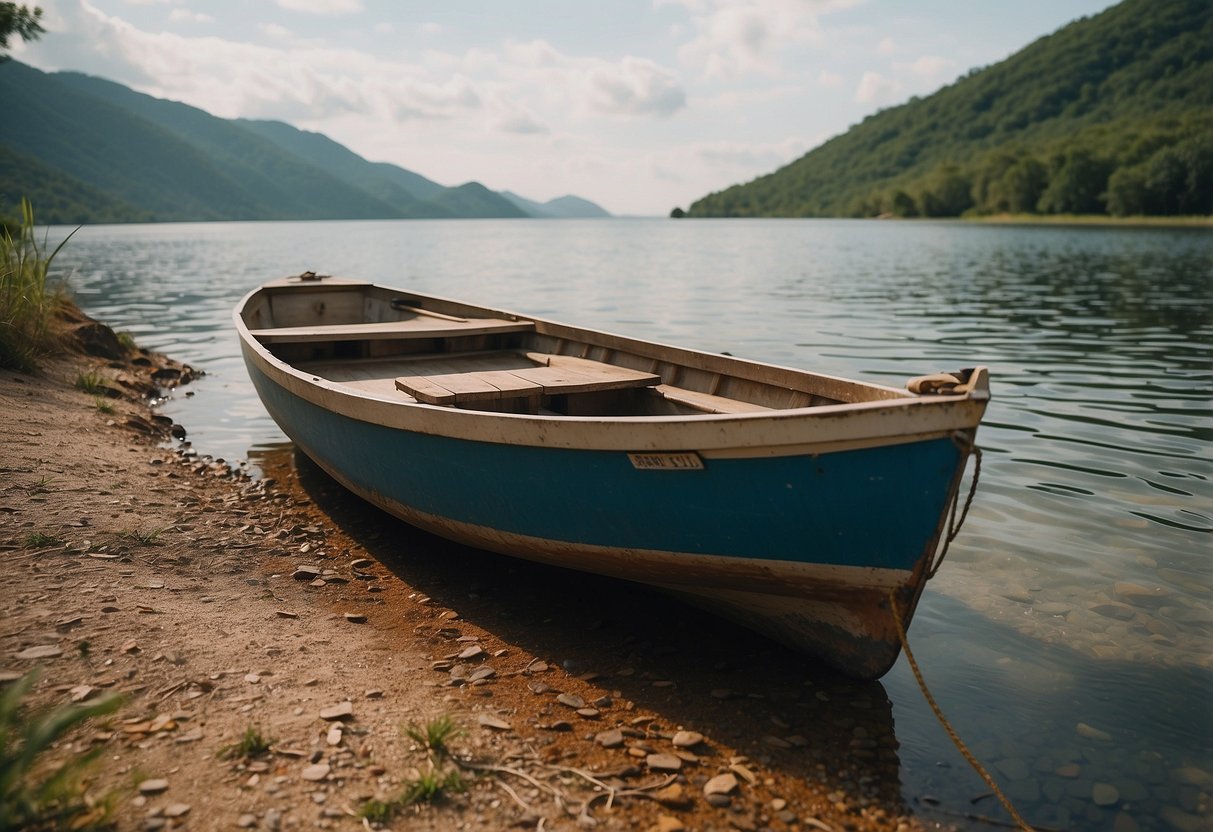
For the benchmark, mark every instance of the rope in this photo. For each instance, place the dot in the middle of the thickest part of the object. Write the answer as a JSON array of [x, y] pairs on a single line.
[[947, 726], [968, 447]]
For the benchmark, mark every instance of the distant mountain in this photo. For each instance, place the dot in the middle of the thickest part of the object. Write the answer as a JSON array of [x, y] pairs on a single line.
[[84, 149], [1110, 114], [563, 207]]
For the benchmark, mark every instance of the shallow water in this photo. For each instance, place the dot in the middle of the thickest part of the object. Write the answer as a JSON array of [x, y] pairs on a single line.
[[1079, 590]]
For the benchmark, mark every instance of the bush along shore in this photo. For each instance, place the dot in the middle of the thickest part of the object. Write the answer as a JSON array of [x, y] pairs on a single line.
[[282, 656]]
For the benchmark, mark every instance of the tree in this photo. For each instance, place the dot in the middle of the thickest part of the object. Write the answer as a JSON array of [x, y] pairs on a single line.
[[18, 20]]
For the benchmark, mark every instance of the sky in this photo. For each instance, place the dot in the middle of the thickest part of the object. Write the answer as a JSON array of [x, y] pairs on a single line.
[[638, 105]]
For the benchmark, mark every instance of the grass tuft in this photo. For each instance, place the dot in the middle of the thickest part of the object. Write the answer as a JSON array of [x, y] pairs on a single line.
[[251, 744], [35, 795], [148, 538], [435, 734], [40, 540], [103, 406], [92, 383], [28, 296]]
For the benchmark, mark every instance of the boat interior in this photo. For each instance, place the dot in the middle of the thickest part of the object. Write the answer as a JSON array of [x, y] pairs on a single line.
[[394, 344]]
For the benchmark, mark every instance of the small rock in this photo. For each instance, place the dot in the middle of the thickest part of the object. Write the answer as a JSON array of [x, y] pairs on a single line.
[[571, 700], [610, 739], [722, 693], [285, 614], [176, 810], [361, 563], [1069, 771], [687, 739], [778, 804], [252, 678], [316, 773], [1104, 794], [155, 786], [342, 710], [307, 573], [1088, 732], [588, 713], [674, 796], [720, 784], [355, 618], [1120, 612], [493, 722], [663, 762], [744, 773], [718, 800], [472, 652], [334, 735], [42, 651], [1141, 596], [374, 693], [482, 672], [246, 821], [666, 823]]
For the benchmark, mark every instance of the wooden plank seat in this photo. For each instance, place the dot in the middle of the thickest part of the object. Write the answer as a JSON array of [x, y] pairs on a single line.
[[552, 375], [707, 402], [422, 326]]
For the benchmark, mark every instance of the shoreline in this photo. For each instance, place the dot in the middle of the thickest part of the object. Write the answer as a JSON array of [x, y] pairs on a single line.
[[218, 604]]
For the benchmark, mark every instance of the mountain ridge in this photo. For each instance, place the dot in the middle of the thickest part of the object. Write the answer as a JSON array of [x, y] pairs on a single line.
[[1112, 113], [132, 157]]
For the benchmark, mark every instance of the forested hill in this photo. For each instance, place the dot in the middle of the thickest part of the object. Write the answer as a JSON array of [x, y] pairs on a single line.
[[1111, 114], [84, 149]]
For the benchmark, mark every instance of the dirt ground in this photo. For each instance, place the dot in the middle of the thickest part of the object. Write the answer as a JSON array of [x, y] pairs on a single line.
[[283, 607]]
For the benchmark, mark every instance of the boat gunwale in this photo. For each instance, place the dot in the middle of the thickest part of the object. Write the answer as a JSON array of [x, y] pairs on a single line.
[[835, 426]]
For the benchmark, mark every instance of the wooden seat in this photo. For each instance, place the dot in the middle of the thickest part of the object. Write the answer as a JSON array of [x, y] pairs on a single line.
[[419, 327], [551, 376], [707, 402]]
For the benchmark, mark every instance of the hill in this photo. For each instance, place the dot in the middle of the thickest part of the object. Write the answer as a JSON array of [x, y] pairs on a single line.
[[563, 207], [1110, 114], [85, 149]]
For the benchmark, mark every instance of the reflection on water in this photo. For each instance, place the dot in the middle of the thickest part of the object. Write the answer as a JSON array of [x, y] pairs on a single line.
[[1078, 593]]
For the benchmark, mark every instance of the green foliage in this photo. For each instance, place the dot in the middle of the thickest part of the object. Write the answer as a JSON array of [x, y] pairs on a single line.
[[40, 540], [435, 734], [36, 795], [28, 296], [91, 382], [22, 21], [252, 743], [103, 406], [1113, 113], [431, 784]]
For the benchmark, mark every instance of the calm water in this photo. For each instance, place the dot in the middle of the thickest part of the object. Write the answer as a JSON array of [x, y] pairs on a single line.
[[1080, 590]]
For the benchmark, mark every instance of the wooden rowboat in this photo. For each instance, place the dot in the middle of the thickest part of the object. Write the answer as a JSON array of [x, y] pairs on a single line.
[[796, 503]]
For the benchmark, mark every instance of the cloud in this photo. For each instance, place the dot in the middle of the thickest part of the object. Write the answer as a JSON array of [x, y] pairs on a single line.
[[829, 80], [749, 155], [737, 37], [634, 86], [875, 88], [322, 7], [184, 15], [929, 67]]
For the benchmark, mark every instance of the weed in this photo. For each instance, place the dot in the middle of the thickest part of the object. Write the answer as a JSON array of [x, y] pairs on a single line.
[[104, 407], [40, 540], [127, 341], [31, 797], [435, 734], [252, 744], [28, 297], [148, 538], [42, 486], [427, 787], [92, 383]]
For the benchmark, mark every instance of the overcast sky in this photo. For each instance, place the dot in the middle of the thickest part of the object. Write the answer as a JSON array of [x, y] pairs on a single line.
[[639, 105]]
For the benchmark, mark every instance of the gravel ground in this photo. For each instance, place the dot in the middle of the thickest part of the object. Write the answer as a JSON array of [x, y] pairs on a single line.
[[285, 609]]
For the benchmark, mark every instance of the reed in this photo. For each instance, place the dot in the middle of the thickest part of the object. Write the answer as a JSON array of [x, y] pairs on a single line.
[[29, 297]]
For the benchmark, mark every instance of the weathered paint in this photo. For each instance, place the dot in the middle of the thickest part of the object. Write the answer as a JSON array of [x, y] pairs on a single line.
[[799, 522]]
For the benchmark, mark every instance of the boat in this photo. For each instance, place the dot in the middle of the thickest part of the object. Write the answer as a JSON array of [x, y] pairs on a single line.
[[805, 506]]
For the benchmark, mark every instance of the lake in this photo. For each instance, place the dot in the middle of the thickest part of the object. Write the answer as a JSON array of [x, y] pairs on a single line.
[[1069, 635]]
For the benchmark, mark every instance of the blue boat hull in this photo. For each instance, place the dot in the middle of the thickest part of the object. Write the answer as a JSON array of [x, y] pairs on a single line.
[[797, 503]]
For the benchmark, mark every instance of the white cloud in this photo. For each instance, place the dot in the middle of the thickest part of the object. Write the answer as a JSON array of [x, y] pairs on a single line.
[[750, 156], [736, 37], [875, 88], [634, 86], [929, 67], [829, 80], [324, 7], [887, 46], [186, 16]]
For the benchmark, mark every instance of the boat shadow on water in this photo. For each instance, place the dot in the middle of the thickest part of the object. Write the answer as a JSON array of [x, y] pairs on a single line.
[[691, 669]]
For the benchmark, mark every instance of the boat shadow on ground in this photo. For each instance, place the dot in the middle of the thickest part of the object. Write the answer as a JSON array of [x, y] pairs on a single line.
[[692, 669]]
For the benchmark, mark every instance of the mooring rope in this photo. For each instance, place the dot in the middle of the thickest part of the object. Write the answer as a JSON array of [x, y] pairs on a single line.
[[947, 726], [955, 522]]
